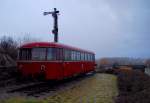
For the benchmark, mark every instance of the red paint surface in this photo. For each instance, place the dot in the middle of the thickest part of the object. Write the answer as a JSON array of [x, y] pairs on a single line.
[[55, 70]]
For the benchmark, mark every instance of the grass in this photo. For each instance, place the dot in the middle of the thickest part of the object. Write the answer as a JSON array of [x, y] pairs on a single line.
[[22, 100], [100, 88]]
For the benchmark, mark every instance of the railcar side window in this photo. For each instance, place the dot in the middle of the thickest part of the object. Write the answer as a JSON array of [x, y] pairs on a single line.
[[54, 54], [38, 53], [67, 54], [78, 56], [86, 57], [25, 54], [93, 57], [89, 57], [50, 54], [73, 56], [82, 56], [60, 53]]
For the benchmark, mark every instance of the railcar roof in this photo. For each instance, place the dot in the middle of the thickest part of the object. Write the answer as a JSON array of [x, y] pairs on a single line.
[[52, 44]]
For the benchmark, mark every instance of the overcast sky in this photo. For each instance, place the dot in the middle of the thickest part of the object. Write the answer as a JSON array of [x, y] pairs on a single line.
[[110, 28]]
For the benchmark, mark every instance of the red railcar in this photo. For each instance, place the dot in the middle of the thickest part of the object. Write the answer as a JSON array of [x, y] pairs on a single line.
[[54, 60]]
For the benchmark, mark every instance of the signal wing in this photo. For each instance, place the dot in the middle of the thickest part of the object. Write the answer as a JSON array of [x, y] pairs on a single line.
[[46, 13]]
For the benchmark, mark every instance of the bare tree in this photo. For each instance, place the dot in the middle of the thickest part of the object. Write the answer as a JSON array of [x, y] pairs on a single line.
[[9, 46], [26, 39]]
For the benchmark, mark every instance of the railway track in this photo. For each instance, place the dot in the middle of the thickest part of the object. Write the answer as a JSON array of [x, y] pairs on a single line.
[[36, 88], [25, 86], [37, 91], [6, 82]]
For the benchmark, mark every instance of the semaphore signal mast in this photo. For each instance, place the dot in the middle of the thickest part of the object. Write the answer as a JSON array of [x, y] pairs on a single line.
[[55, 28]]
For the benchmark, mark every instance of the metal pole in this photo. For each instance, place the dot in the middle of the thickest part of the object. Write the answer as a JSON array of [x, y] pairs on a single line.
[[55, 27]]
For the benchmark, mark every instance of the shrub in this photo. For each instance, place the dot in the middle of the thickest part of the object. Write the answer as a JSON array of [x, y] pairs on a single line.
[[134, 86]]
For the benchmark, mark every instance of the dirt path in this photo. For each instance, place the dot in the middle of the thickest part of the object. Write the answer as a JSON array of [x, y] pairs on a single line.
[[99, 88]]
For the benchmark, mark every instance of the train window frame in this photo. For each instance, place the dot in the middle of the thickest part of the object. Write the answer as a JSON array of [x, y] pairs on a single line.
[[78, 56], [93, 57], [67, 54], [56, 54], [61, 56], [50, 58], [89, 57], [82, 56], [73, 55], [40, 55], [28, 54], [86, 58]]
